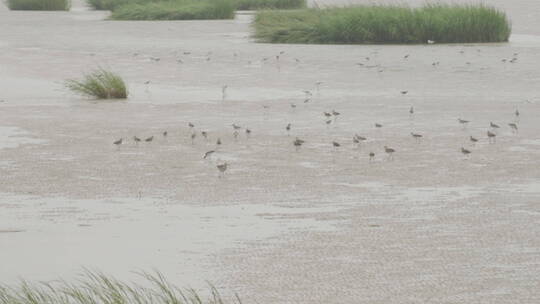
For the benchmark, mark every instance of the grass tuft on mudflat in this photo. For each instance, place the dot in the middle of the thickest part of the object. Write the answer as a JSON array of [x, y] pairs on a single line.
[[100, 84], [175, 10], [39, 5], [97, 288], [378, 24]]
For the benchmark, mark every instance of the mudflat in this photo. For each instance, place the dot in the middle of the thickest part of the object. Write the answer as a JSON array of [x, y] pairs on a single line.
[[317, 225]]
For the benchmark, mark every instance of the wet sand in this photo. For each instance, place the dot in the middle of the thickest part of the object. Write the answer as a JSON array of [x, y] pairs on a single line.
[[315, 226]]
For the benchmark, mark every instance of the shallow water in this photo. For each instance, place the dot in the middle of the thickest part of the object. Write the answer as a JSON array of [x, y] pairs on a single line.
[[320, 225]]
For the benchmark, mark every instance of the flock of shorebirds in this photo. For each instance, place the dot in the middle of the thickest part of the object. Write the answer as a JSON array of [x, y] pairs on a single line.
[[330, 117]]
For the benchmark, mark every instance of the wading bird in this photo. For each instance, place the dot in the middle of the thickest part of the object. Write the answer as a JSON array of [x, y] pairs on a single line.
[[336, 114], [371, 156], [514, 127], [390, 152], [416, 136], [298, 143], [224, 92], [118, 142], [491, 136], [222, 168]]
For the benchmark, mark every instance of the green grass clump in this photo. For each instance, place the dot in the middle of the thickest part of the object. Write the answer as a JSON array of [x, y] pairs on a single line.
[[384, 24], [39, 5], [97, 288], [175, 10], [100, 84], [268, 4]]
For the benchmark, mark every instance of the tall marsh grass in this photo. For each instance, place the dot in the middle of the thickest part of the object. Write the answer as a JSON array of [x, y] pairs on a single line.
[[97, 288], [268, 4], [442, 23], [39, 5], [100, 84], [175, 10], [111, 5]]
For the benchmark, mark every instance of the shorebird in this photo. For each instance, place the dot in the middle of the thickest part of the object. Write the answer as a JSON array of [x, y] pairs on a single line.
[[288, 128], [371, 156], [307, 100], [390, 152], [308, 93], [298, 143], [191, 125], [209, 153], [293, 105], [431, 41], [224, 92], [360, 138], [318, 85], [463, 122], [328, 115], [236, 127], [404, 92], [136, 139], [378, 125], [336, 144], [495, 126], [465, 151], [473, 140], [357, 139], [193, 135], [235, 134], [514, 127], [118, 142], [218, 142], [204, 134], [416, 136], [165, 134], [491, 136], [328, 122], [411, 110], [516, 113], [248, 132], [222, 168], [336, 114], [406, 56], [149, 139]]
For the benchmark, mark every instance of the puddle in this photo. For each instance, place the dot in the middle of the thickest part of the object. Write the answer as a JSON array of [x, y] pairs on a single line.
[[138, 234], [13, 137]]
